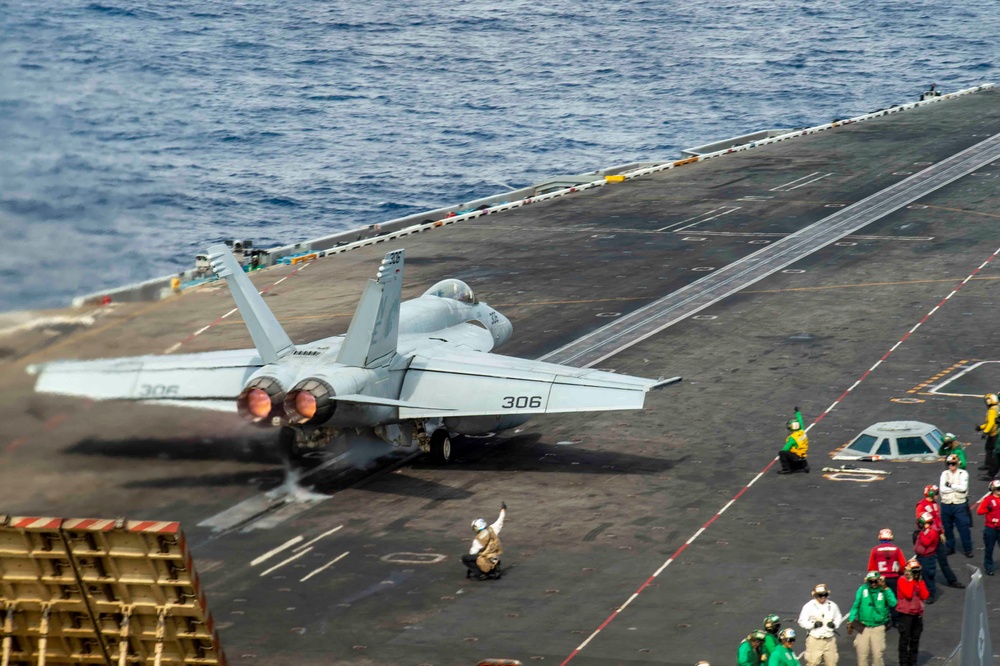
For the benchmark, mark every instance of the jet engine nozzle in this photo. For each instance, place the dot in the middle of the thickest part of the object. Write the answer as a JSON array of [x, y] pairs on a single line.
[[261, 400], [314, 399], [310, 401]]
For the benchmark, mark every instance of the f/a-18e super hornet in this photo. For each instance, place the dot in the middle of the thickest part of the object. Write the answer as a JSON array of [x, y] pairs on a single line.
[[417, 370]]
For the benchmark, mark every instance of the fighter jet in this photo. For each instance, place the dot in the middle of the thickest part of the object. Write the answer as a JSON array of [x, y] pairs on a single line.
[[414, 372]]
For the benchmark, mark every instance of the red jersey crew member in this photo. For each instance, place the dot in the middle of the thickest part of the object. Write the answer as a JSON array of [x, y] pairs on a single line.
[[989, 507], [793, 453], [888, 560], [910, 604], [928, 506], [484, 555]]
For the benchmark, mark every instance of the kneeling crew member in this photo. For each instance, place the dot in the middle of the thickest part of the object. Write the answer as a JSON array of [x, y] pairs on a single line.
[[793, 453], [484, 555]]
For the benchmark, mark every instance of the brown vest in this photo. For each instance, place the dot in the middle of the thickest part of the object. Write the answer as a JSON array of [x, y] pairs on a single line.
[[491, 552]]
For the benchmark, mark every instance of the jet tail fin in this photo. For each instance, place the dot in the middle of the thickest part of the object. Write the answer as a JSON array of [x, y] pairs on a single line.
[[374, 330], [269, 338]]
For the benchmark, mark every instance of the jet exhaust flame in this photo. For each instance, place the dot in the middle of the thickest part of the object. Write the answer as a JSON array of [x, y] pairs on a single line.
[[261, 400], [310, 401]]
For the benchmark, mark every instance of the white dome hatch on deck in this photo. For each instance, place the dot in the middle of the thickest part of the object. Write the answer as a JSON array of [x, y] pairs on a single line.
[[894, 440]]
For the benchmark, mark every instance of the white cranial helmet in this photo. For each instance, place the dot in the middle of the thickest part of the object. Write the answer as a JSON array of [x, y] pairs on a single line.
[[478, 525]]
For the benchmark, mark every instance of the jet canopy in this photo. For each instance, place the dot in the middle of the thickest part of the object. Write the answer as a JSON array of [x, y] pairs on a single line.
[[453, 289]]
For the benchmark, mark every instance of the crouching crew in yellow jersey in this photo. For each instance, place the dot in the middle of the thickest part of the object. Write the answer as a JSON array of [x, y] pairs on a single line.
[[793, 454]]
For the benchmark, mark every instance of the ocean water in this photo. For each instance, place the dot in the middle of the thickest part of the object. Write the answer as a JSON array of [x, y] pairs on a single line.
[[135, 134]]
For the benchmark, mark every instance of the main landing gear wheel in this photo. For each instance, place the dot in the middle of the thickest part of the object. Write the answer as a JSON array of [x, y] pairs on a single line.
[[441, 447]]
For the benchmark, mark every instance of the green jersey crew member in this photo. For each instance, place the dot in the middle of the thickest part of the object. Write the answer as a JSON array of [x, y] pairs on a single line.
[[772, 625], [748, 654], [871, 608], [784, 654], [793, 454], [951, 445]]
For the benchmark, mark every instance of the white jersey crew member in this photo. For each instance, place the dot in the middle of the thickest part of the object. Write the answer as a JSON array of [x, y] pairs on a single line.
[[820, 617], [954, 488]]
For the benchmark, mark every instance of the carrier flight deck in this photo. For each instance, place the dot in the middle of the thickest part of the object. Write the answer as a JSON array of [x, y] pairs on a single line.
[[851, 272]]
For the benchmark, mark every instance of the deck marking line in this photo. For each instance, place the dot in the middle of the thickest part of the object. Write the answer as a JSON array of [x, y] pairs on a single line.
[[172, 348], [685, 221], [321, 536], [326, 566], [271, 553], [233, 311], [20, 441], [738, 495], [284, 562], [625, 605], [202, 329], [777, 187], [809, 182], [663, 566], [727, 212]]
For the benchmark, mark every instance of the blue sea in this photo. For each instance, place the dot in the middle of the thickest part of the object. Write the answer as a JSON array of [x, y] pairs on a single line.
[[135, 134]]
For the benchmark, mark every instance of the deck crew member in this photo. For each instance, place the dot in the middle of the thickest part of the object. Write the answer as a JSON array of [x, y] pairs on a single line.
[[930, 506], [951, 445], [784, 654], [871, 608], [910, 605], [888, 560], [989, 508], [820, 617], [772, 625], [954, 486], [989, 429], [484, 555], [793, 453], [749, 651]]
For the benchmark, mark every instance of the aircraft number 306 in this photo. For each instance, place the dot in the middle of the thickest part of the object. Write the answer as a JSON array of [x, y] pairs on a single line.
[[158, 390], [521, 401]]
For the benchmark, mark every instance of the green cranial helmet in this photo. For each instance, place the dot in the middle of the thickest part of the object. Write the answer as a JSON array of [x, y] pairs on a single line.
[[772, 623], [948, 438], [757, 635]]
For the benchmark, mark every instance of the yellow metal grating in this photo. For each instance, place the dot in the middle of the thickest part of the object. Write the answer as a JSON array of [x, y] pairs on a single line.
[[86, 591]]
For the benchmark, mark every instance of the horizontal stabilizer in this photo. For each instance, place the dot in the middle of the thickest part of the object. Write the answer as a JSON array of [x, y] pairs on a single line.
[[482, 384], [208, 377]]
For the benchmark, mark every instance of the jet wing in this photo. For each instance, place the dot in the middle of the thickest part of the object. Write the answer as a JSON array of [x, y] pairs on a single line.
[[477, 384], [209, 380]]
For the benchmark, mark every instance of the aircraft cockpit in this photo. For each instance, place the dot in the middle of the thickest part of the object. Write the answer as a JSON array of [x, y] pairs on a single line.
[[453, 289]]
